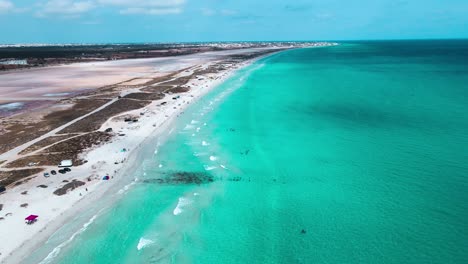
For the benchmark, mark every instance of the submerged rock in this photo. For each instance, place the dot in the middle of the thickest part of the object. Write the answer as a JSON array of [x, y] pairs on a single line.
[[235, 179]]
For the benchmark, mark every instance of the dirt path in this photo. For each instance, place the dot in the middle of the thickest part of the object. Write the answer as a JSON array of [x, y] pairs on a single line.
[[13, 154]]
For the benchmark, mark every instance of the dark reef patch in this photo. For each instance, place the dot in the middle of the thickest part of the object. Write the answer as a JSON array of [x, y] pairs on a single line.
[[182, 177], [361, 115]]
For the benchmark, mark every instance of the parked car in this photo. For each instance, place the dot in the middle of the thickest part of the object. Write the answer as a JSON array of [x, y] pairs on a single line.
[[53, 172], [46, 174], [62, 171], [67, 169]]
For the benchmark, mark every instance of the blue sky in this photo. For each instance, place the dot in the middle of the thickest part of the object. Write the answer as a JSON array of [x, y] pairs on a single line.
[[98, 21]]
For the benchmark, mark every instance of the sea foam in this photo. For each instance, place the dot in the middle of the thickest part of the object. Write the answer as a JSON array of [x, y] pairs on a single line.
[[208, 168], [188, 127], [144, 243], [52, 255], [183, 202]]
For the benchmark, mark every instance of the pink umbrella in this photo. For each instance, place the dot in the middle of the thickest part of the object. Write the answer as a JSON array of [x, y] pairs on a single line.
[[31, 217]]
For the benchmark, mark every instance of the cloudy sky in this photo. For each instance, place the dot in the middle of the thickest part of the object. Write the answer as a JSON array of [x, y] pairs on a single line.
[[103, 21]]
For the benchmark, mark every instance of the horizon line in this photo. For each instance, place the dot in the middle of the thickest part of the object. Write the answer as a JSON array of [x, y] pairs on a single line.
[[223, 41]]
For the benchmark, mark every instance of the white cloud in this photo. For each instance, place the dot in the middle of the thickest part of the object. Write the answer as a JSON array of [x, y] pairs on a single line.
[[151, 11], [6, 6], [323, 16], [65, 8], [75, 8], [91, 22], [147, 7], [143, 3], [212, 12], [208, 12], [228, 12]]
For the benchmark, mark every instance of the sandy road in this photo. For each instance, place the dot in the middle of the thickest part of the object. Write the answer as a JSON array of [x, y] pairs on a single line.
[[14, 153]]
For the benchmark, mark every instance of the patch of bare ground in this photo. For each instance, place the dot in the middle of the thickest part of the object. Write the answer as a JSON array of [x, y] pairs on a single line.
[[252, 55], [179, 81], [68, 187], [157, 88], [178, 89], [145, 96], [80, 143], [114, 90], [163, 79], [16, 131], [80, 108], [68, 149], [103, 90], [94, 121], [46, 142], [109, 95], [52, 159], [9, 177], [210, 69]]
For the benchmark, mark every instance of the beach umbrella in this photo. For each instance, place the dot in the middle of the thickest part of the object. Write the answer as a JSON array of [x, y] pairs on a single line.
[[31, 219]]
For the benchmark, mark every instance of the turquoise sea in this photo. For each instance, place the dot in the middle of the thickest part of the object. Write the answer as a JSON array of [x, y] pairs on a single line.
[[350, 154]]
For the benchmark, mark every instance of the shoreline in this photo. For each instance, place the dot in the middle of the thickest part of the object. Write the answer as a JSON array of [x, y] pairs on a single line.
[[165, 119]]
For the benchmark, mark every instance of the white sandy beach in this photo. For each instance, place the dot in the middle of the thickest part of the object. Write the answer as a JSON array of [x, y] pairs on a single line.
[[108, 159]]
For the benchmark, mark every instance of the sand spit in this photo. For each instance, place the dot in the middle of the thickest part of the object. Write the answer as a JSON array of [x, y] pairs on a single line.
[[103, 141]]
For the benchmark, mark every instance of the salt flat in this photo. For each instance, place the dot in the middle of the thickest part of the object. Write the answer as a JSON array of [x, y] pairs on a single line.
[[26, 85]]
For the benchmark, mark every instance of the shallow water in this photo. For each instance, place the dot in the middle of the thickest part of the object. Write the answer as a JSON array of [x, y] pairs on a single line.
[[11, 106], [348, 154]]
